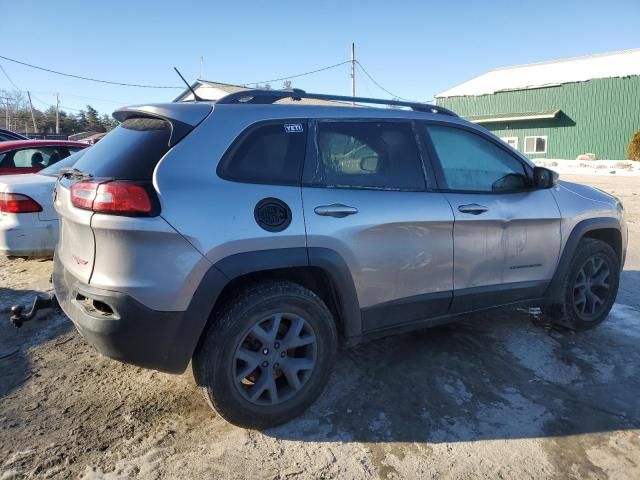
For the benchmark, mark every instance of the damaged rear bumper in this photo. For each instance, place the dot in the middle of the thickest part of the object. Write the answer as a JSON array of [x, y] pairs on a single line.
[[122, 328]]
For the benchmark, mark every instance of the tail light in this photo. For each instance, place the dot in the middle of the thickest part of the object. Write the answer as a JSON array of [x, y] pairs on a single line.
[[18, 203], [118, 198]]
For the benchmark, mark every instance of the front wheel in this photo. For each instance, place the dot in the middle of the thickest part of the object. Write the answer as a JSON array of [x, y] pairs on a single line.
[[590, 286], [268, 356]]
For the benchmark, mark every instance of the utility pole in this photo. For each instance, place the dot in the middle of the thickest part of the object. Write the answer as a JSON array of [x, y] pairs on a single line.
[[6, 112], [201, 62], [57, 113], [353, 71], [33, 117]]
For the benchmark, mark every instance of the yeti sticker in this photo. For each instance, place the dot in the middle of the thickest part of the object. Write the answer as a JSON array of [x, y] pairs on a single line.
[[293, 127]]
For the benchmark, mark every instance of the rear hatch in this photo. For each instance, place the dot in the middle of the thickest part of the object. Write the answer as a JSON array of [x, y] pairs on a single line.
[[115, 177]]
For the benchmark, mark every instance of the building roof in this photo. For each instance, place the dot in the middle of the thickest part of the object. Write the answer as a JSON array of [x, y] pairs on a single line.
[[514, 117], [208, 90], [623, 63]]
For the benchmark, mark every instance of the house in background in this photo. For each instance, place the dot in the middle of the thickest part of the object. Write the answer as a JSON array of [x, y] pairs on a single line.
[[558, 109], [208, 90]]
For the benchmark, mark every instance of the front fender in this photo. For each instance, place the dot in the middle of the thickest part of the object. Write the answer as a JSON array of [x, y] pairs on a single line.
[[579, 231]]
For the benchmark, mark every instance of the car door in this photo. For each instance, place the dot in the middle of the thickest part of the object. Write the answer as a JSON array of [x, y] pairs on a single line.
[[365, 198], [506, 234]]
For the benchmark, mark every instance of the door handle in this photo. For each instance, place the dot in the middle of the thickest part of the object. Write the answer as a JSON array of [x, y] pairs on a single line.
[[335, 210], [473, 209]]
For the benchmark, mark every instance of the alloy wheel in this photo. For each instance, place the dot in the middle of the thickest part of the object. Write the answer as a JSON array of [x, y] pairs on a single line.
[[591, 287], [275, 359]]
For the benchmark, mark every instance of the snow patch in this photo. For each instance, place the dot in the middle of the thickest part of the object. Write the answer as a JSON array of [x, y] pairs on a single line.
[[622, 63], [621, 168], [514, 417], [538, 354], [458, 392], [623, 320]]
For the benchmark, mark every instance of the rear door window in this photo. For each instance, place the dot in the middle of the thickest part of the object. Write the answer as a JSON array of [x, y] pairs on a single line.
[[130, 151], [380, 154], [271, 153], [35, 157]]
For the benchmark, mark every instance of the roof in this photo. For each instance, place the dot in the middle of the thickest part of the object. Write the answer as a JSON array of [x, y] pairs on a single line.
[[622, 63], [79, 136], [513, 117], [12, 134], [208, 90], [11, 144]]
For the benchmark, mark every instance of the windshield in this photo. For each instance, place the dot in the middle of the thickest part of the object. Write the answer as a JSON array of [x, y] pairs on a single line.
[[54, 170]]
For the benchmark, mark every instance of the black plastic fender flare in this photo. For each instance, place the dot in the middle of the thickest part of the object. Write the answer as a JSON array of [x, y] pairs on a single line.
[[578, 232], [234, 266]]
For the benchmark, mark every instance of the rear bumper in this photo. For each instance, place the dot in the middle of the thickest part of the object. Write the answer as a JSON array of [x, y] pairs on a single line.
[[122, 328], [37, 239]]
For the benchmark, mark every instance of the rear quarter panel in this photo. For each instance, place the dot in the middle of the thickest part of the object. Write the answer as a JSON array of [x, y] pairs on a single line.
[[217, 216]]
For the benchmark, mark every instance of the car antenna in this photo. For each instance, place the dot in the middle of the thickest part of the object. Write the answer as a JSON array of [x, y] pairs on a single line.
[[195, 95]]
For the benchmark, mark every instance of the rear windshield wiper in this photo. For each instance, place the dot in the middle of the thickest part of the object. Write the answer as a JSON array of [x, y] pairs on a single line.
[[75, 174]]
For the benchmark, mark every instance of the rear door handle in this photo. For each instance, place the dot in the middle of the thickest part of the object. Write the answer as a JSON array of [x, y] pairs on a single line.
[[337, 210], [473, 209]]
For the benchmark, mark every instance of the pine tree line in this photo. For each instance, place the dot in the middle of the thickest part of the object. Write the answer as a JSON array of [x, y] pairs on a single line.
[[18, 117]]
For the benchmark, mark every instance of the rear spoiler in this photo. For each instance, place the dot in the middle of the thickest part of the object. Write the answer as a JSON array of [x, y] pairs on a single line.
[[183, 117]]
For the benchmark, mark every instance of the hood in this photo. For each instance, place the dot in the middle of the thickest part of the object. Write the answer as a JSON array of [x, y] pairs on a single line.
[[589, 193]]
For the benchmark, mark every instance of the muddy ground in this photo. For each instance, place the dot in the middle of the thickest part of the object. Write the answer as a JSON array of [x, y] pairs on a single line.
[[493, 396]]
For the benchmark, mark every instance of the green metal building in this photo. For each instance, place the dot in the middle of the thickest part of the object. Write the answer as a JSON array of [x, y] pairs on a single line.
[[558, 109]]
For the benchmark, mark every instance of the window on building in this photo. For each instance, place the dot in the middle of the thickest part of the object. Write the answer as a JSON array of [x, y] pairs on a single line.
[[535, 144], [472, 163], [370, 155], [269, 154], [513, 141]]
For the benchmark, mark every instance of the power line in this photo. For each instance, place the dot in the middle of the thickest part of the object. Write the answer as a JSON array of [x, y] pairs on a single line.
[[9, 78], [322, 69], [51, 106], [380, 86], [122, 84]]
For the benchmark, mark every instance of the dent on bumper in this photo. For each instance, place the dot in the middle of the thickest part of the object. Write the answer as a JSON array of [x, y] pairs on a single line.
[[32, 241], [132, 332]]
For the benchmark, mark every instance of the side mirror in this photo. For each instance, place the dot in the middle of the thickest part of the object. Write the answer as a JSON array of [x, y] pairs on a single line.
[[544, 177]]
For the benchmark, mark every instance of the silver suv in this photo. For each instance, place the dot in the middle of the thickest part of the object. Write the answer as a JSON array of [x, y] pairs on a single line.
[[249, 236]]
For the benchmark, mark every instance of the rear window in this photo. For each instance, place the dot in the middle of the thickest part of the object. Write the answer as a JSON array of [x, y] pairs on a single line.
[[54, 170], [270, 154], [130, 151]]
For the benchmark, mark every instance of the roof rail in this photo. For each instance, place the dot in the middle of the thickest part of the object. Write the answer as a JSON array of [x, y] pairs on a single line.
[[264, 97]]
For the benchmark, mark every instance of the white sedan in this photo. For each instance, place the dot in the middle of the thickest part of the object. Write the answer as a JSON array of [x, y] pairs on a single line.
[[28, 221]]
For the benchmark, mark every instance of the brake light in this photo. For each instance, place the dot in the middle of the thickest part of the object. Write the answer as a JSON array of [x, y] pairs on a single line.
[[123, 198], [18, 203]]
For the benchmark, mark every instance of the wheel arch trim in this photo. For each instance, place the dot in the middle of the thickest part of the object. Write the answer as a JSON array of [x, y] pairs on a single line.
[[223, 272], [579, 231]]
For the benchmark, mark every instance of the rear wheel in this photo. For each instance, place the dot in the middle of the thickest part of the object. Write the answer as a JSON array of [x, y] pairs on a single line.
[[268, 356], [590, 286]]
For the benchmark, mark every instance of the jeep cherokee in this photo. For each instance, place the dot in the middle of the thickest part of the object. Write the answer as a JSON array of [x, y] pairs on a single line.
[[249, 236]]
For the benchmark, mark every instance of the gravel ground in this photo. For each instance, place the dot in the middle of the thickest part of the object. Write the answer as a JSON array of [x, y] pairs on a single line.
[[493, 396]]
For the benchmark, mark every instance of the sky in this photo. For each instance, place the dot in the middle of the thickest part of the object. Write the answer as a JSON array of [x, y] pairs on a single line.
[[414, 49]]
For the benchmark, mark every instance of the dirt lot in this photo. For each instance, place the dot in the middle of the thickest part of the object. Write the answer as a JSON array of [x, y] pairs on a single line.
[[494, 396]]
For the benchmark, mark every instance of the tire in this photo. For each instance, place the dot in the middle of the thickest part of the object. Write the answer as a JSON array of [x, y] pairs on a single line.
[[578, 309], [287, 379]]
